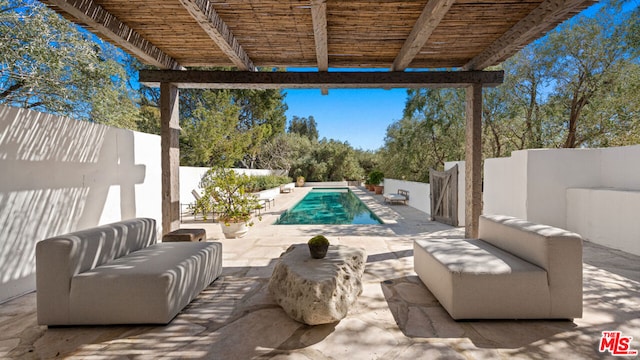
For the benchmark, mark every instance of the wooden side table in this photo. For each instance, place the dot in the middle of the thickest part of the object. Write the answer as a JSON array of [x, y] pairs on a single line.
[[194, 235]]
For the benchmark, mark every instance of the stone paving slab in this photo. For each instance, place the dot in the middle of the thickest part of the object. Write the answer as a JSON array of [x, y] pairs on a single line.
[[395, 317]]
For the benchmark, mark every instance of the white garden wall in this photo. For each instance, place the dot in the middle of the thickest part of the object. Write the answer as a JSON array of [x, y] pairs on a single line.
[[606, 216], [419, 193], [505, 185], [59, 175], [535, 185], [190, 179], [620, 167]]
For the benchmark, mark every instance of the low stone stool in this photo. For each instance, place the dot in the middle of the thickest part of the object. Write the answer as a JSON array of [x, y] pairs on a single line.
[[318, 291], [185, 235]]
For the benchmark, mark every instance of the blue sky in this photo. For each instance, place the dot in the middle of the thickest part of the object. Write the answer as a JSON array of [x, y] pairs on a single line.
[[358, 116]]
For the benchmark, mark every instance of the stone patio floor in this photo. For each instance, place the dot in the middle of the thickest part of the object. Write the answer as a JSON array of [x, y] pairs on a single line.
[[396, 317]]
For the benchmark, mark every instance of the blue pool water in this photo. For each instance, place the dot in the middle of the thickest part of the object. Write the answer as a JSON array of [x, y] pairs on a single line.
[[329, 206]]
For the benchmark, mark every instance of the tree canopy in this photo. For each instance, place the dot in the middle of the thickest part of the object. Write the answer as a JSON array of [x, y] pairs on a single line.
[[576, 87], [48, 64], [306, 127]]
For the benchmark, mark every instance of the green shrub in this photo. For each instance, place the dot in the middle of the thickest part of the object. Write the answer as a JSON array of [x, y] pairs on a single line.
[[263, 182], [225, 193], [375, 177]]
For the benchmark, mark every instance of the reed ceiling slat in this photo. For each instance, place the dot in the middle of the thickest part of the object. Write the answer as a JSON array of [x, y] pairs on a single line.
[[359, 33]]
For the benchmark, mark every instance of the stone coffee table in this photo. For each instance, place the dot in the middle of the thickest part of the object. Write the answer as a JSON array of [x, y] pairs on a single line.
[[318, 291]]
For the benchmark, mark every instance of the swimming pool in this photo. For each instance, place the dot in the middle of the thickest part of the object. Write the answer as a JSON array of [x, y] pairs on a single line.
[[337, 206]]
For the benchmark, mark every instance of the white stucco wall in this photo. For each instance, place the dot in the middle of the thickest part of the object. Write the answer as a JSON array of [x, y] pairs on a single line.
[[419, 193], [59, 175], [190, 180], [550, 172], [606, 216], [582, 190], [505, 185], [620, 167], [326, 184]]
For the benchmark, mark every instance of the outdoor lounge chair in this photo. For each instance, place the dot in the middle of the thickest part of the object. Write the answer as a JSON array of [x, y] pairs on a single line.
[[197, 196], [402, 196]]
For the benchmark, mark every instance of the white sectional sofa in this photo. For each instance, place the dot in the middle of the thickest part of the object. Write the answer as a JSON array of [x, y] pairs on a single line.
[[515, 270], [118, 274]]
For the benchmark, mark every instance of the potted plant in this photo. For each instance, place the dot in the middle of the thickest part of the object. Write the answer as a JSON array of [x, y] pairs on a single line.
[[225, 193], [375, 179], [318, 246], [300, 181], [367, 185]]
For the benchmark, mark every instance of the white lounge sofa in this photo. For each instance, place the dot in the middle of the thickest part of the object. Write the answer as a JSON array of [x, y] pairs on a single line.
[[118, 274], [516, 270]]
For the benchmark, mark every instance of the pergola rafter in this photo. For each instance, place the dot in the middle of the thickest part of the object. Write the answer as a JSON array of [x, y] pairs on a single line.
[[525, 31], [319, 19], [207, 17], [93, 15], [428, 21]]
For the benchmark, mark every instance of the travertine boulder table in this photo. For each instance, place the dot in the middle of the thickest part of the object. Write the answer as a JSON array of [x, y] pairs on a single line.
[[318, 291]]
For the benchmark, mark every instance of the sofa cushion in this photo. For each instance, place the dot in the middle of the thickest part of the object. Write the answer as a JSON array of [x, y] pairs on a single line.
[[474, 279], [150, 285]]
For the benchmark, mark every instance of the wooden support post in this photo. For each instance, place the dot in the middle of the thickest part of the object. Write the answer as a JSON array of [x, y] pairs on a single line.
[[170, 129], [473, 160]]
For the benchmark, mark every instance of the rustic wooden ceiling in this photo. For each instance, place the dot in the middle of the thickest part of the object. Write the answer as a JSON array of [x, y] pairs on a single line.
[[397, 35]]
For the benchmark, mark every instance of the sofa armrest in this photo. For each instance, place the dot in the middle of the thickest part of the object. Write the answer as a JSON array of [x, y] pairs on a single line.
[[54, 270], [557, 251]]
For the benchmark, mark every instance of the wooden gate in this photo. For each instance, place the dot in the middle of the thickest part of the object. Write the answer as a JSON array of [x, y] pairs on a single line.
[[444, 195]]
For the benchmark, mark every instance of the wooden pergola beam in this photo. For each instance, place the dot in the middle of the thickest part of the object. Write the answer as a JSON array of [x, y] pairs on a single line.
[[541, 19], [473, 160], [429, 19], [209, 20], [313, 80], [319, 18], [96, 17], [170, 156]]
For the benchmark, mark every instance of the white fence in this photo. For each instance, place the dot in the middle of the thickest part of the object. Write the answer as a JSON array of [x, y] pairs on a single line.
[[589, 191], [190, 179], [326, 184], [59, 175], [419, 193]]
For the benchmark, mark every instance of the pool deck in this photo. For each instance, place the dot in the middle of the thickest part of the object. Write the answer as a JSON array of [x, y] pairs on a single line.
[[396, 317]]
